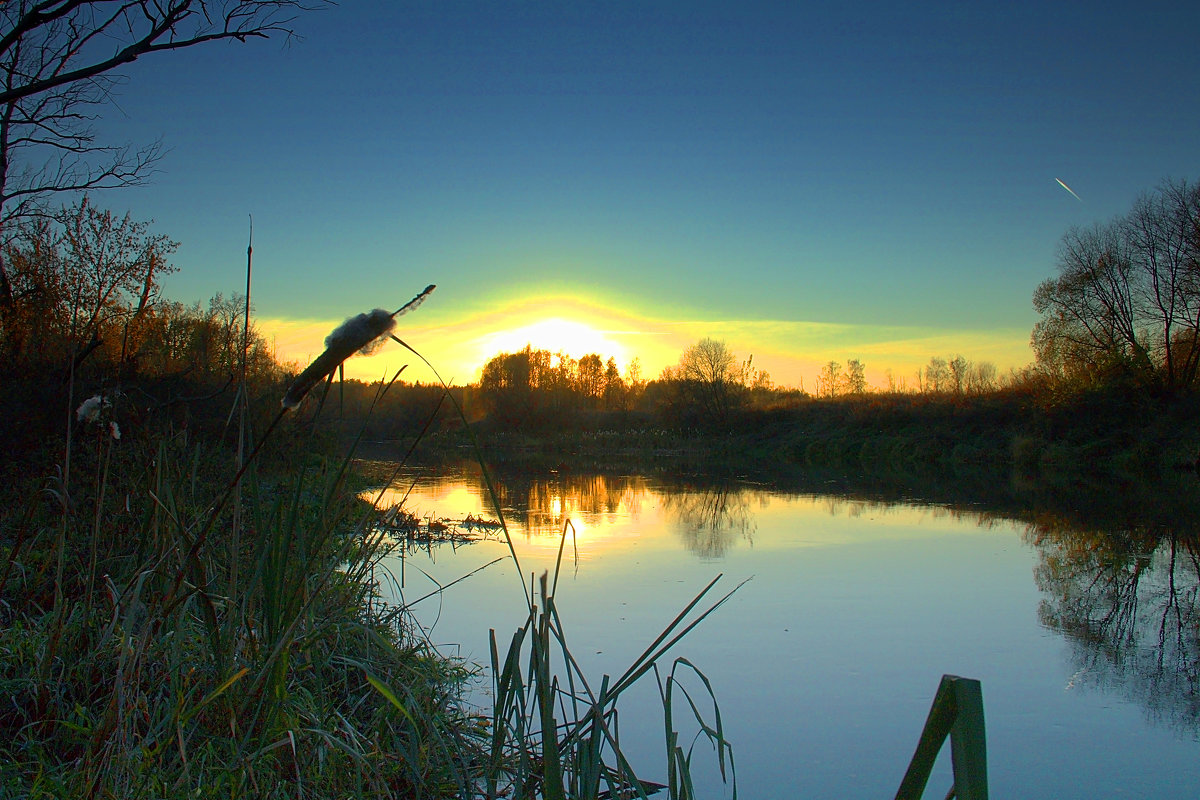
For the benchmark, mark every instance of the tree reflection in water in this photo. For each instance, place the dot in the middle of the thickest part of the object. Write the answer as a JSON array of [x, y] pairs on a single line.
[[711, 519], [542, 505], [1127, 604]]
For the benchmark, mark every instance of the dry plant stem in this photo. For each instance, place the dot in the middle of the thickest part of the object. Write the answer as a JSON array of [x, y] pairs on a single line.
[[243, 421], [441, 588], [101, 486]]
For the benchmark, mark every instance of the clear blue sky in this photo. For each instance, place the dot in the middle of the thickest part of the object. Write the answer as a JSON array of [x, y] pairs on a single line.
[[804, 180]]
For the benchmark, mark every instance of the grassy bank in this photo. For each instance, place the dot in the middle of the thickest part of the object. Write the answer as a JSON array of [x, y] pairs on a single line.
[[170, 631], [1101, 434]]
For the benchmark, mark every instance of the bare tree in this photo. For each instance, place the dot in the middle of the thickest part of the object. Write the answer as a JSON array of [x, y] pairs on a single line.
[[829, 379], [937, 375], [1163, 231], [981, 377], [1126, 301], [709, 375], [58, 62], [708, 361], [959, 368]]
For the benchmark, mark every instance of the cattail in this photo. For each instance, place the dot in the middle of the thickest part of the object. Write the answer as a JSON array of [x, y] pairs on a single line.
[[364, 333], [89, 410]]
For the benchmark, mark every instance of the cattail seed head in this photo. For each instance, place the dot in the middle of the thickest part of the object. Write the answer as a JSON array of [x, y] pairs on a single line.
[[363, 333], [89, 410]]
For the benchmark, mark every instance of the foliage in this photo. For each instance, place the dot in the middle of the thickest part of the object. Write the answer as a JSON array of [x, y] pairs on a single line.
[[82, 278], [533, 387]]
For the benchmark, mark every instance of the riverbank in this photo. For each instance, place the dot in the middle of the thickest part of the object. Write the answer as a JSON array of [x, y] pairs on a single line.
[[169, 630], [1103, 435]]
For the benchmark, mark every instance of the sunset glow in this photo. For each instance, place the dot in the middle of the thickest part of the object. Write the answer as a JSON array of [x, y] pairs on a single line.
[[792, 352], [556, 335]]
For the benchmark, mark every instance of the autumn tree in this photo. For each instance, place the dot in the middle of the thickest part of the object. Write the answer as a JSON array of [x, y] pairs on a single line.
[[509, 384], [615, 390], [855, 380], [533, 387], [936, 377], [829, 379], [635, 384], [84, 279], [590, 378]]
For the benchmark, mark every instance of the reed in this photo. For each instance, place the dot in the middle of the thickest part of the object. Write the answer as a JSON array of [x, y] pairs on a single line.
[[143, 652], [554, 736]]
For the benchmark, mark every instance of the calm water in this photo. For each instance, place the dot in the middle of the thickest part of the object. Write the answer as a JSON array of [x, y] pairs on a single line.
[[826, 661]]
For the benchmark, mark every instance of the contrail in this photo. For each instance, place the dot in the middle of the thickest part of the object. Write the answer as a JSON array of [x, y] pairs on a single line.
[[1068, 188]]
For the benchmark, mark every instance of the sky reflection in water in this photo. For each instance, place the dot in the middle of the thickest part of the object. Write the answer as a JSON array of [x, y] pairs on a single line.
[[825, 663]]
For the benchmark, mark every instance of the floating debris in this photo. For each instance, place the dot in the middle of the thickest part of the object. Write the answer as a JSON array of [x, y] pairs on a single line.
[[483, 523], [405, 526]]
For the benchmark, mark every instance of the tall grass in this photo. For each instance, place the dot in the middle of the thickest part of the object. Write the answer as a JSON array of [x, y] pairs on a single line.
[[159, 641], [132, 666], [555, 736]]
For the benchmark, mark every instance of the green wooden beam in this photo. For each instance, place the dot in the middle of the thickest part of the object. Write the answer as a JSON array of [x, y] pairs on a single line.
[[957, 714]]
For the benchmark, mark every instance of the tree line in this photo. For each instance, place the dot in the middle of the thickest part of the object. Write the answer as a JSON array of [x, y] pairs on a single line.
[[86, 299], [86, 293], [708, 386]]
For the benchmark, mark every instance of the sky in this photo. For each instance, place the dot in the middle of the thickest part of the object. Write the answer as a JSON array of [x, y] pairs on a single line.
[[804, 181]]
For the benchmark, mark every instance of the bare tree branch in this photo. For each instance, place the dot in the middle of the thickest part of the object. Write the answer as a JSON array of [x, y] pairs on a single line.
[[57, 66]]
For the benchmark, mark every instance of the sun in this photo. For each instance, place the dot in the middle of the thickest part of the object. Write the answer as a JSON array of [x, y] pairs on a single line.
[[556, 335]]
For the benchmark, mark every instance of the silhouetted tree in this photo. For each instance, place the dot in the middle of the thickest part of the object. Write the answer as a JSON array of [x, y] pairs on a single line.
[[829, 379], [615, 390], [1126, 302], [937, 376], [708, 379], [590, 379], [981, 377], [533, 387]]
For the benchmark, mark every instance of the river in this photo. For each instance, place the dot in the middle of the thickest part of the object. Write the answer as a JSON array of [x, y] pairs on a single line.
[[826, 659]]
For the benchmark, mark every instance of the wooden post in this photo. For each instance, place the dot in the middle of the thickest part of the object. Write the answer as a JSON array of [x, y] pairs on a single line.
[[957, 713]]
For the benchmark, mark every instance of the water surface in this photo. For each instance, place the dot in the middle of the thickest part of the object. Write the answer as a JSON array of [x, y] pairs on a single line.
[[825, 662]]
